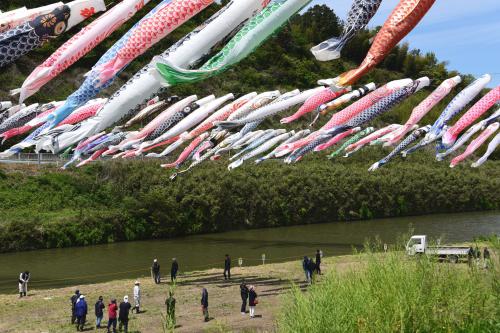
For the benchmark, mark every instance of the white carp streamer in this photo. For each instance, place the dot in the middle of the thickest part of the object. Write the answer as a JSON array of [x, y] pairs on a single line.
[[475, 144], [491, 148]]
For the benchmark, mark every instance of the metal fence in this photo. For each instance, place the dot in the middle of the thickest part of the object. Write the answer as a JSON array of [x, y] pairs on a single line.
[[32, 158], [47, 158]]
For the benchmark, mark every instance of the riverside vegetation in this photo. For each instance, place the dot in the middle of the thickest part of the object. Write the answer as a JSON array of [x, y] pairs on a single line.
[[393, 294], [131, 200], [117, 201]]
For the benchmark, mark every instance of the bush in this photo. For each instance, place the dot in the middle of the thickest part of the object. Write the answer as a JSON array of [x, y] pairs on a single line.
[[390, 293]]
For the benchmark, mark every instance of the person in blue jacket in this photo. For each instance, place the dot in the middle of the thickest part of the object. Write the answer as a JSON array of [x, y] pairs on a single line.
[[81, 313]]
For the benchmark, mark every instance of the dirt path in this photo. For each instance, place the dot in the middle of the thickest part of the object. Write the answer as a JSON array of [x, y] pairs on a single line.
[[49, 310]]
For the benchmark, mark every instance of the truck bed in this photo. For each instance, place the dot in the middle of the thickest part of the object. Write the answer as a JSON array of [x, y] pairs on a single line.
[[448, 250]]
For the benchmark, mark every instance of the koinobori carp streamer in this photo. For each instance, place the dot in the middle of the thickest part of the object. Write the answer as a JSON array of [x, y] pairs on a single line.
[[359, 15], [476, 111], [251, 35], [103, 74], [169, 15], [24, 15], [468, 134], [401, 147], [147, 83], [401, 21], [456, 105], [491, 148], [348, 113], [24, 38], [422, 109], [79, 45], [475, 144]]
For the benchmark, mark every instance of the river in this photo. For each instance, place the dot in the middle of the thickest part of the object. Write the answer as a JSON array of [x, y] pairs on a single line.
[[73, 266]]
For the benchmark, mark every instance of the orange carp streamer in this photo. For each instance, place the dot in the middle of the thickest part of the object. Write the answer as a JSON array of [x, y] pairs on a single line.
[[402, 20]]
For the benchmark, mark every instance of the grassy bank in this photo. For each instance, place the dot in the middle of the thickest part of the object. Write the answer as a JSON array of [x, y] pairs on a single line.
[[118, 201], [365, 292], [391, 294]]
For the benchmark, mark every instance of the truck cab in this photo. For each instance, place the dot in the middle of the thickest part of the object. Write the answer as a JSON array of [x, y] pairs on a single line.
[[416, 244]]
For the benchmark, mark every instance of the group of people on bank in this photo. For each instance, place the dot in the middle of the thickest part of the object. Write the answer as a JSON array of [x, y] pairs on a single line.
[[117, 313], [474, 255], [311, 267]]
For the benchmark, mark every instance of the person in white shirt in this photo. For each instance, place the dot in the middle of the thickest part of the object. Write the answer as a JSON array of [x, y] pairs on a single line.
[[137, 297], [23, 283]]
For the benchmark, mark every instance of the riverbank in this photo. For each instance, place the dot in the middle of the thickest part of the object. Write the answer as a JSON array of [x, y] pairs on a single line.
[[135, 200], [49, 310]]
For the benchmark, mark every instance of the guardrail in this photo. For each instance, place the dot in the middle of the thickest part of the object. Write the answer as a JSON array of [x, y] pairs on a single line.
[[47, 158], [32, 158]]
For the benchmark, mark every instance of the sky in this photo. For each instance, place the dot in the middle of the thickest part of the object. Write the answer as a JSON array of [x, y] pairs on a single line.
[[464, 33]]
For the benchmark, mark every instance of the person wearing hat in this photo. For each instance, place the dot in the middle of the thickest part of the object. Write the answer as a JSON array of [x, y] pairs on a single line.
[[155, 270], [99, 311], [23, 283], [123, 315], [81, 313], [73, 300], [174, 270], [137, 297], [252, 300], [112, 310]]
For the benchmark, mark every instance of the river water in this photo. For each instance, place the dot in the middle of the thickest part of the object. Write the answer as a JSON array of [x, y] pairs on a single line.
[[73, 266]]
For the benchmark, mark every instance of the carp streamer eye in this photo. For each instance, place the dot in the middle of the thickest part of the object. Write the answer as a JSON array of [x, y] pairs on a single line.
[[59, 28]]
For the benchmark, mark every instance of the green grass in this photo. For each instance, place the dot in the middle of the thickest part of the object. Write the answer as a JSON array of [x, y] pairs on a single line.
[[391, 293]]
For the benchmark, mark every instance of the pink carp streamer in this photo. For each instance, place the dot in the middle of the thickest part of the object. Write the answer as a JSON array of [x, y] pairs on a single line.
[[220, 115], [492, 146], [152, 30], [187, 151], [92, 158], [34, 123], [84, 112], [349, 112], [337, 138], [79, 45], [313, 102], [476, 111], [402, 20], [422, 109], [475, 144], [372, 137]]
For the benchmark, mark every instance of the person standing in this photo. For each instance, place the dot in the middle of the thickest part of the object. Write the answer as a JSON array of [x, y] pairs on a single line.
[[305, 262], [311, 267], [227, 267], [23, 283], [252, 301], [204, 303], [170, 303], [174, 270], [470, 254], [318, 261], [112, 314], [244, 297], [486, 258], [137, 297], [73, 300], [477, 256], [99, 312], [123, 314], [155, 269], [81, 313]]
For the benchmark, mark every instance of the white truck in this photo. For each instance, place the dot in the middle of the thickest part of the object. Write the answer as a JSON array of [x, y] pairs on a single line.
[[418, 245]]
